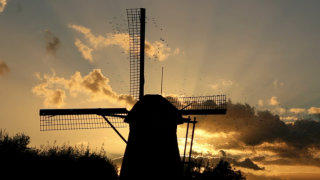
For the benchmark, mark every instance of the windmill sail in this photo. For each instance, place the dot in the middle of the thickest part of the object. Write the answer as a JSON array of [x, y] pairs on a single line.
[[136, 26], [72, 119], [200, 105]]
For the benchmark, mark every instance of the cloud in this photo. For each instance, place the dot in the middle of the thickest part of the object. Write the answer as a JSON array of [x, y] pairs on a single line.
[[277, 84], [120, 39], [3, 4], [280, 110], [297, 110], [86, 51], [52, 42], [95, 85], [274, 101], [223, 155], [314, 110], [4, 68], [260, 102], [227, 82], [214, 86], [222, 84], [51, 97], [247, 163], [176, 51], [266, 133], [288, 118], [156, 49]]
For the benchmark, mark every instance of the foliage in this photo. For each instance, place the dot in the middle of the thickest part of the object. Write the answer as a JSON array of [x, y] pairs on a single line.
[[54, 161], [201, 170], [61, 162]]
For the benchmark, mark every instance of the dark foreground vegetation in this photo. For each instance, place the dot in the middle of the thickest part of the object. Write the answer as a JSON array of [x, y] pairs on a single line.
[[223, 170], [19, 160]]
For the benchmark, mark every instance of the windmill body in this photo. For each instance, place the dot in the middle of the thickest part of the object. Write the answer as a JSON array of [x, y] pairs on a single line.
[[152, 147]]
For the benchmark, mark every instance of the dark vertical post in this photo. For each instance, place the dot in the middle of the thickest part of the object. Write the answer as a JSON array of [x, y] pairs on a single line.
[[186, 142], [194, 125], [142, 41], [161, 79]]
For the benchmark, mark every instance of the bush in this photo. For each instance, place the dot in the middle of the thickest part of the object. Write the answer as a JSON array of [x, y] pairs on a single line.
[[201, 170], [222, 171], [58, 162], [19, 160]]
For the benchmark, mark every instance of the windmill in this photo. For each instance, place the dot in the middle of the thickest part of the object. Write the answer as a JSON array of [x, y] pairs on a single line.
[[152, 147]]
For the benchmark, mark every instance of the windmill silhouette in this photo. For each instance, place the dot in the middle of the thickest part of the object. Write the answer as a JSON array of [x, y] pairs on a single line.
[[152, 146]]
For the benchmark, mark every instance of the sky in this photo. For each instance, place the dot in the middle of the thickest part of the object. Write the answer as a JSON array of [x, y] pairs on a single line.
[[74, 54]]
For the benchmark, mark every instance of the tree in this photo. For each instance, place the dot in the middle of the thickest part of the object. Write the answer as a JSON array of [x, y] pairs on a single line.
[[222, 171]]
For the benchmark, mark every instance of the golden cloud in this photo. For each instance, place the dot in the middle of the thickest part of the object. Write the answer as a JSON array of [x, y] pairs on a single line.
[[85, 51], [314, 110], [3, 4], [288, 118], [297, 110], [280, 110], [156, 50], [274, 101], [222, 84], [277, 83], [52, 97], [95, 85]]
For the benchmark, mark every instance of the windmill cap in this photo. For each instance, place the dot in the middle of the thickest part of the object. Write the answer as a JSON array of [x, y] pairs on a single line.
[[152, 108]]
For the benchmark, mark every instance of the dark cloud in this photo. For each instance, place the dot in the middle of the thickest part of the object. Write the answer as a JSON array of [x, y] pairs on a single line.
[[52, 42], [57, 97], [295, 143], [232, 159], [4, 68], [258, 158], [247, 163], [223, 153]]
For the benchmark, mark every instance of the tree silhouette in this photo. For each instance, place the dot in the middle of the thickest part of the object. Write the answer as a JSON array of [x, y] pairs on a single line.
[[54, 162], [222, 171]]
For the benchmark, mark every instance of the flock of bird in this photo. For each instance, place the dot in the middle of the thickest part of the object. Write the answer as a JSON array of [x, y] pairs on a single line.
[[119, 25]]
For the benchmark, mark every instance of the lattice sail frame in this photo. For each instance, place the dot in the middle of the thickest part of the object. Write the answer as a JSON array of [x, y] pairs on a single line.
[[75, 119], [200, 105], [136, 27], [76, 122]]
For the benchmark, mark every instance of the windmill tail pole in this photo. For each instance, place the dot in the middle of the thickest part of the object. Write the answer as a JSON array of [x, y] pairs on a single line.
[[190, 152], [186, 142], [114, 128], [161, 79]]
